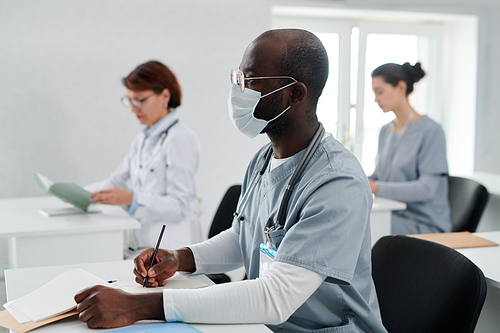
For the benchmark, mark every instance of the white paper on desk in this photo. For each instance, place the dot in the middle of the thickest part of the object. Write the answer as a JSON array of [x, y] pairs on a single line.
[[177, 281], [53, 298], [60, 211]]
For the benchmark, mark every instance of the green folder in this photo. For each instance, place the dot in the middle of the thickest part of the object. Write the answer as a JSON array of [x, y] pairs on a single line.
[[69, 192]]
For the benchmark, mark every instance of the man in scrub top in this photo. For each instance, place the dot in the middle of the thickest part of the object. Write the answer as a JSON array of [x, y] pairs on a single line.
[[320, 277]]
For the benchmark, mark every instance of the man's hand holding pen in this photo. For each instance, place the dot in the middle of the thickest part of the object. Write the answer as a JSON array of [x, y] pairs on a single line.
[[166, 263]]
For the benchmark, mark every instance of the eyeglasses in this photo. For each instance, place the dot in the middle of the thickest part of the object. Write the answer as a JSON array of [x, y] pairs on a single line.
[[239, 78], [127, 102]]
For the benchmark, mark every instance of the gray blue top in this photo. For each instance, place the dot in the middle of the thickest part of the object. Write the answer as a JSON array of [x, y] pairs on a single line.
[[411, 167], [327, 230]]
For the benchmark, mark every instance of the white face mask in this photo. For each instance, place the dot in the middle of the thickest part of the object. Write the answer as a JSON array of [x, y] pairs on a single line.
[[242, 107]]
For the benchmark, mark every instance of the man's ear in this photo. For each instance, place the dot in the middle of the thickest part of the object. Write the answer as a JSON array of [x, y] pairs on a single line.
[[298, 94]]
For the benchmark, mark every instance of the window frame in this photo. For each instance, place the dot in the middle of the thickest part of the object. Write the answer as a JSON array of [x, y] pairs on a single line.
[[432, 31]]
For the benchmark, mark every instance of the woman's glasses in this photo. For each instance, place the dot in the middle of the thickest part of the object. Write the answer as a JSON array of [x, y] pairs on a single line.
[[127, 102]]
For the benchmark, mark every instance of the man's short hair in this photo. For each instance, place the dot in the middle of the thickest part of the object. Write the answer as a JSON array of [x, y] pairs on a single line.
[[305, 59]]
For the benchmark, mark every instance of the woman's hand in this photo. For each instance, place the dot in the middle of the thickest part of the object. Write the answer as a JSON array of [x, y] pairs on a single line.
[[113, 196], [166, 263], [373, 186]]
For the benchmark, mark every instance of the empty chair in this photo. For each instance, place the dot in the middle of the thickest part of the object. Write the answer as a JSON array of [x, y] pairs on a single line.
[[467, 201], [426, 287], [223, 220]]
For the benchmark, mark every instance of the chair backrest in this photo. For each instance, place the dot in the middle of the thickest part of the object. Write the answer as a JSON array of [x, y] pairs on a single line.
[[426, 287], [467, 201], [223, 218]]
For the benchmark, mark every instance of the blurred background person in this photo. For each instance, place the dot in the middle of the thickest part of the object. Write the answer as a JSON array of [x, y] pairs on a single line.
[[156, 180], [411, 161]]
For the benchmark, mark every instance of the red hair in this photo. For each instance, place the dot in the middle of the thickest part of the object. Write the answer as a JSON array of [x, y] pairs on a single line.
[[153, 75]]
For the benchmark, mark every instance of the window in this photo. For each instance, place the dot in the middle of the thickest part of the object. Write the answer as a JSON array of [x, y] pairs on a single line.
[[379, 44], [359, 41]]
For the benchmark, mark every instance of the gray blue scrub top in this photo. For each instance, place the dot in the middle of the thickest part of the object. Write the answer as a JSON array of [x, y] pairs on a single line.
[[420, 150], [327, 230]]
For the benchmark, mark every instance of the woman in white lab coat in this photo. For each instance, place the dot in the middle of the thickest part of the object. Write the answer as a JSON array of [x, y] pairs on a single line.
[[156, 180]]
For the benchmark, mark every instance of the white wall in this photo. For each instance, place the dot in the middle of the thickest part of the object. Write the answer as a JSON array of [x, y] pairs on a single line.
[[61, 63]]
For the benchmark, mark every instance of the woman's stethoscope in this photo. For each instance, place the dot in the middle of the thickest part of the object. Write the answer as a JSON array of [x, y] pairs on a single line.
[[153, 158], [280, 219], [391, 147]]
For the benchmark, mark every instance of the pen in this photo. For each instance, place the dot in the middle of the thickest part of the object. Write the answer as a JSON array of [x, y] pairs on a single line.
[[154, 255]]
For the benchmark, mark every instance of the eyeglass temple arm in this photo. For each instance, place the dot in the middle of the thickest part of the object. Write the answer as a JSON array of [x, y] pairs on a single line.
[[269, 77]]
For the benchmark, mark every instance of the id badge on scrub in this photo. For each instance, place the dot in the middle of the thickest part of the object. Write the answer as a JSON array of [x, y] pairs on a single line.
[[266, 258]]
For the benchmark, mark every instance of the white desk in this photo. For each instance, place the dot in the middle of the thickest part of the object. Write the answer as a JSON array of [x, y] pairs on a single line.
[[19, 282], [381, 216], [488, 260], [36, 240]]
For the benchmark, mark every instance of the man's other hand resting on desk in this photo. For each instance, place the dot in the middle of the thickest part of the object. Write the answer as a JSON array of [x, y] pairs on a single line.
[[105, 307]]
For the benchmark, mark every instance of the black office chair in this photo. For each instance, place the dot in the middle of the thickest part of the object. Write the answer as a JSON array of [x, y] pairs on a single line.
[[467, 200], [223, 220], [426, 287]]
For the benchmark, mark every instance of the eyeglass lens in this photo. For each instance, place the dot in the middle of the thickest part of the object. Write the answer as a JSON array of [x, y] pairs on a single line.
[[127, 102], [238, 78]]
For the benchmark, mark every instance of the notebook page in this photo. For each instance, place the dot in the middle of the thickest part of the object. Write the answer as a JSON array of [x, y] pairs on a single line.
[[44, 180], [177, 281], [53, 298], [18, 316]]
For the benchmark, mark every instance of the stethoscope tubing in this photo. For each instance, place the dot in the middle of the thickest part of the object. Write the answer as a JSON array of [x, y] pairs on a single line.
[[244, 200], [308, 154], [311, 148], [153, 159], [391, 148]]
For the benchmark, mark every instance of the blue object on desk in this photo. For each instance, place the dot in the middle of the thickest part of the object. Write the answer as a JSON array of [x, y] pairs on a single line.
[[175, 327]]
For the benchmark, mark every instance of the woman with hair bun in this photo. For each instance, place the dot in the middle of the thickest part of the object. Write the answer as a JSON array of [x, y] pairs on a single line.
[[411, 161], [156, 180]]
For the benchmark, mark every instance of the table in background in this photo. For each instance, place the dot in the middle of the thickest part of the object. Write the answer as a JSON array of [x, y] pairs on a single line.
[[381, 216], [36, 240], [488, 260], [19, 282]]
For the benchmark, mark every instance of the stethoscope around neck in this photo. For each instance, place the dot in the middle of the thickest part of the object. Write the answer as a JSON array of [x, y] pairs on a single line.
[[279, 223], [390, 147], [153, 158]]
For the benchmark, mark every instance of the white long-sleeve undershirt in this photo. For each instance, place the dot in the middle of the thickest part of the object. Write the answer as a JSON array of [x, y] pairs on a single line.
[[270, 299], [219, 254]]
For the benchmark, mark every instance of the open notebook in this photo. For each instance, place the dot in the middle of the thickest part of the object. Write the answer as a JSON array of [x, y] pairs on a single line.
[[53, 298], [56, 298], [68, 192]]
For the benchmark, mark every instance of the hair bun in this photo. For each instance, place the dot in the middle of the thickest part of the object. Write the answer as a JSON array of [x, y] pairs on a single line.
[[415, 72]]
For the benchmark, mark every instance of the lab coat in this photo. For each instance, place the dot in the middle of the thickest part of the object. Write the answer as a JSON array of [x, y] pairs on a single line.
[[160, 169]]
